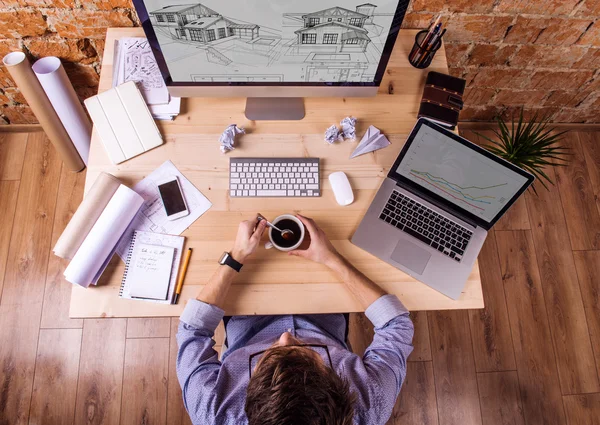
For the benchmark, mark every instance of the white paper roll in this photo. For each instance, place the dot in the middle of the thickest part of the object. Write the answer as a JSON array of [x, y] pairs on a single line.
[[58, 88], [99, 245]]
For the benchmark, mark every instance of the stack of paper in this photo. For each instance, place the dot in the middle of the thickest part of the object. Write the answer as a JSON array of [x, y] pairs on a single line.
[[371, 141], [134, 61]]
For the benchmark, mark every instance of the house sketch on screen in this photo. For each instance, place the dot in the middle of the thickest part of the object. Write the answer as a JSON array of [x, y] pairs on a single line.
[[335, 44]]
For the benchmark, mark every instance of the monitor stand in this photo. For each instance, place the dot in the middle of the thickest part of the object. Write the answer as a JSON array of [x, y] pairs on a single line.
[[274, 108]]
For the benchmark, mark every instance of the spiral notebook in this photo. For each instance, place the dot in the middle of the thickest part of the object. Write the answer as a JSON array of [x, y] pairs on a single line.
[[151, 267]]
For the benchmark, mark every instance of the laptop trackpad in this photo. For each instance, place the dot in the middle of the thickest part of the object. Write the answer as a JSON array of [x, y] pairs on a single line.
[[410, 255]]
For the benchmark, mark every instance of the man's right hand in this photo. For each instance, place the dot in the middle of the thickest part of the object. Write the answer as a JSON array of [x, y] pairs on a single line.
[[320, 250]]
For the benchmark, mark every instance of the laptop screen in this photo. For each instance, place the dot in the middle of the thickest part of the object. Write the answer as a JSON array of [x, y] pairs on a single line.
[[458, 173]]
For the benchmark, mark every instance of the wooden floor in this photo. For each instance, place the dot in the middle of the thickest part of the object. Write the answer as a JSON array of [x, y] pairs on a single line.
[[531, 357]]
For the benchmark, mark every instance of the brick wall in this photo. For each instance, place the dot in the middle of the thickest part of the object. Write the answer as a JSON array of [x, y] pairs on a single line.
[[544, 54]]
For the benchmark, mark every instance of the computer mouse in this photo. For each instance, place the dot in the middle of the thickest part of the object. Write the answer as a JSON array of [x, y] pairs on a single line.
[[341, 188]]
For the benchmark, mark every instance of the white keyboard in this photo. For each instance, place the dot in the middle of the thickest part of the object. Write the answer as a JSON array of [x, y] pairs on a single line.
[[274, 177]]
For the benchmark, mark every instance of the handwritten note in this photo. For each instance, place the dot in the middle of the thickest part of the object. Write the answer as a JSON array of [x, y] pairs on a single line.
[[149, 271]]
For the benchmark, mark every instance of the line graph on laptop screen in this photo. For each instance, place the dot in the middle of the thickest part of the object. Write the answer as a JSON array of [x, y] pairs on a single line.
[[459, 174]]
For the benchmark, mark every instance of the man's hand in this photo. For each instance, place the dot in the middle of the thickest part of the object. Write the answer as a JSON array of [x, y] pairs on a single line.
[[248, 239], [320, 250]]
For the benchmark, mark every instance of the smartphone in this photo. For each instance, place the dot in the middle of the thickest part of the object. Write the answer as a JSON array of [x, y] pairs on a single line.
[[172, 198]]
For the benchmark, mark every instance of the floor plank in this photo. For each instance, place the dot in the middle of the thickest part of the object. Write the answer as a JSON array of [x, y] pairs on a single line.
[[582, 409], [534, 354], [454, 366], [145, 381], [577, 197], [12, 155], [56, 372], [588, 272], [416, 404], [490, 327], [22, 294], [421, 342], [176, 412], [57, 293], [101, 372], [149, 327], [561, 292], [32, 229], [500, 398], [9, 192], [590, 143]]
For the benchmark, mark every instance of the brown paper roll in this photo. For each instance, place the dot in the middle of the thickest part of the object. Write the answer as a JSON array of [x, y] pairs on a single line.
[[86, 215], [20, 69]]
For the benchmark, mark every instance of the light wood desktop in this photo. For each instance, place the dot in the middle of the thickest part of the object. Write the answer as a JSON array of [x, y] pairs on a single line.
[[271, 281]]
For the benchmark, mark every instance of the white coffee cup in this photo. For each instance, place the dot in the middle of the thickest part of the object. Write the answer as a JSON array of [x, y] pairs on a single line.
[[272, 243]]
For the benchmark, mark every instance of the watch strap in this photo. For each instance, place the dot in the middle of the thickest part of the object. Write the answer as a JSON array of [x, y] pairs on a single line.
[[231, 262]]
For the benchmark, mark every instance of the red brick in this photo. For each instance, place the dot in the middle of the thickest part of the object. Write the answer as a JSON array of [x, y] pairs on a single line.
[[589, 8], [485, 113], [21, 23], [19, 114], [10, 45], [476, 96], [14, 94], [522, 97], [566, 98], [592, 102], [592, 36], [85, 92], [543, 56], [512, 113], [490, 54], [559, 80], [417, 20], [3, 120], [80, 23], [5, 78], [98, 44], [477, 28], [554, 31], [80, 51], [578, 115], [540, 7], [501, 78], [456, 53], [39, 3], [469, 6], [4, 100], [591, 60], [107, 4]]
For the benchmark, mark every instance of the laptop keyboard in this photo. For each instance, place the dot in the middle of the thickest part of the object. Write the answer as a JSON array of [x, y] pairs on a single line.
[[426, 225]]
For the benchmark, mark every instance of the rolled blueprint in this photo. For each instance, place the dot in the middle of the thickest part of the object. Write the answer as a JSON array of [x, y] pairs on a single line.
[[19, 68], [97, 249], [60, 92], [86, 215]]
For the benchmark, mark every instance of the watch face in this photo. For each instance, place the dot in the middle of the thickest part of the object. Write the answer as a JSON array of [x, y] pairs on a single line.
[[224, 258]]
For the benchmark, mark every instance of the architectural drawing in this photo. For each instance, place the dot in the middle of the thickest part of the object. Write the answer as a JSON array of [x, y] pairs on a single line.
[[330, 41]]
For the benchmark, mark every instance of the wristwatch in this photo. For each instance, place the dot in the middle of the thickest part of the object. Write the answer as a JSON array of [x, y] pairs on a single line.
[[227, 259]]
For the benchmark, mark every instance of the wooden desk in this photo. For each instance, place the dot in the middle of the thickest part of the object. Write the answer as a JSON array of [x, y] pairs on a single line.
[[272, 282]]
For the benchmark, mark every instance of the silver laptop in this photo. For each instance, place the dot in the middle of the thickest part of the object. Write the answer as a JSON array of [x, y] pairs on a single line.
[[433, 211]]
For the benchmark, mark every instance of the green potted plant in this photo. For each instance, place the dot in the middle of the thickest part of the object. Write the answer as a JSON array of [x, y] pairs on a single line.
[[531, 146]]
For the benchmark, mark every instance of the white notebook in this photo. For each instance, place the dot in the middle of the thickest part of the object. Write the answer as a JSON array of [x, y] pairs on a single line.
[[151, 267]]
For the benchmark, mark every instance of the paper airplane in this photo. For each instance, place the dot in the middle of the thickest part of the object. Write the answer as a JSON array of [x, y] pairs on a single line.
[[371, 141]]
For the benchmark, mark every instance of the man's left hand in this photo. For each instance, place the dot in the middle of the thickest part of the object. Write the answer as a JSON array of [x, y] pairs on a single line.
[[248, 238]]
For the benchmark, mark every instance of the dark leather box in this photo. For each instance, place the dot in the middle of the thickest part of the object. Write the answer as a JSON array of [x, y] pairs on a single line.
[[442, 99]]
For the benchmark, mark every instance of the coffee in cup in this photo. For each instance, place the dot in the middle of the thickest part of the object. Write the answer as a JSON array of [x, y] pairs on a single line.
[[287, 242]]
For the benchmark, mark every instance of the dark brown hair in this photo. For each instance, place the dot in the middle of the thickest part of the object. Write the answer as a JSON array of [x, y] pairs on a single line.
[[290, 386]]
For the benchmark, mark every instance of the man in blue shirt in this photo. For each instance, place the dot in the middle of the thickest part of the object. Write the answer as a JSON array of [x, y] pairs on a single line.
[[294, 369]]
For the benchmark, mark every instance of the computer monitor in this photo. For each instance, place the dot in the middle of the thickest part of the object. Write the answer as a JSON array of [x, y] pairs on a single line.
[[274, 52]]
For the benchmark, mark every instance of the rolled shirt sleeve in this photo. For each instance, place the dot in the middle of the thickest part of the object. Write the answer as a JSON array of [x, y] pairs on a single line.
[[385, 359], [198, 363]]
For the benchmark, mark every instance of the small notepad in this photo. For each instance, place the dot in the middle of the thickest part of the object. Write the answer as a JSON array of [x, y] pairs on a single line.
[[151, 267]]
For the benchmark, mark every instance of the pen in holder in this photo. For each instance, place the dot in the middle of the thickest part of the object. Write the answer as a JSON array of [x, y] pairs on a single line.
[[424, 49]]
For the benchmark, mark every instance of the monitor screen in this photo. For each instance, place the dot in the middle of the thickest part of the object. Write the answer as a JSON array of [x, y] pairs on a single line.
[[268, 42], [459, 174]]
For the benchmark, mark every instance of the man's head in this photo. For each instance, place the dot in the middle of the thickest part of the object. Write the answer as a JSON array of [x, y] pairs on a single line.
[[291, 385]]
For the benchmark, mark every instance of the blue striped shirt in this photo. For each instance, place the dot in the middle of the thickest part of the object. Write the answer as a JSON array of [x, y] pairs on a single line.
[[214, 392]]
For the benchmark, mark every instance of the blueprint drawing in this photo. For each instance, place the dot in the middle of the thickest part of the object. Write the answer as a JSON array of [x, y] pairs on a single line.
[[266, 41]]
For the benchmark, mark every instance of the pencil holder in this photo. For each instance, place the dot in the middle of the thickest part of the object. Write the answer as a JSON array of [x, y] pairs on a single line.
[[421, 54]]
